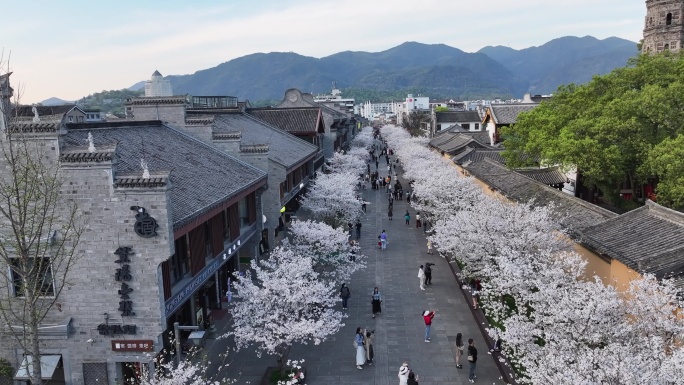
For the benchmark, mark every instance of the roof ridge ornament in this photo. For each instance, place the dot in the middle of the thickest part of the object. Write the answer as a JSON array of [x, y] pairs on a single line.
[[36, 118], [91, 143], [146, 171]]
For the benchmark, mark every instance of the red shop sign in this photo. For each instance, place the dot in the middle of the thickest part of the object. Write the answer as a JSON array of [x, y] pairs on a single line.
[[132, 345]]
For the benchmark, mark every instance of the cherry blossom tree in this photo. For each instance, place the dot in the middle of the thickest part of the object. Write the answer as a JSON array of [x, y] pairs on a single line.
[[186, 373], [363, 139], [557, 327], [282, 301], [328, 248], [333, 198]]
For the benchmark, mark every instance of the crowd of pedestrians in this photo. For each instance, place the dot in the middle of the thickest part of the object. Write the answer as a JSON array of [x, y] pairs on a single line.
[[363, 339]]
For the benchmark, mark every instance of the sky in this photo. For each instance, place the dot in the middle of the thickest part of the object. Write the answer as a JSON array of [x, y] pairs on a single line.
[[70, 49]]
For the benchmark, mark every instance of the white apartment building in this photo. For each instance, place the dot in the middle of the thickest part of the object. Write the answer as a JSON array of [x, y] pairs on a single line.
[[158, 86]]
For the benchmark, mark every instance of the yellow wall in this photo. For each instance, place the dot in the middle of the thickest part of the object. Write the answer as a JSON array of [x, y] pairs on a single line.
[[621, 275], [596, 266]]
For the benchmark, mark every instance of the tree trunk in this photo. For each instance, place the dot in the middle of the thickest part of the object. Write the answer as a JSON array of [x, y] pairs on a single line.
[[37, 375]]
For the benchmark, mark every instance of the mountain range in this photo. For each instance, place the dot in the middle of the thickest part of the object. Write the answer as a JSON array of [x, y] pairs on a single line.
[[437, 70]]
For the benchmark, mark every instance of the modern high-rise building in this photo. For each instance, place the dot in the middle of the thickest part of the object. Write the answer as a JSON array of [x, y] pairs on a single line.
[[158, 86], [663, 30]]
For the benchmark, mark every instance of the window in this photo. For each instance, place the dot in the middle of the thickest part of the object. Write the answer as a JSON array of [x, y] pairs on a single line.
[[668, 19], [179, 263], [466, 126], [667, 46], [39, 276], [477, 126], [71, 119]]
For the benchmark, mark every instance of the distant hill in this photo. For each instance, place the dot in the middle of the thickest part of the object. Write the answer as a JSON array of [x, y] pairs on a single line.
[[437, 70], [137, 86], [109, 102], [55, 102], [564, 60]]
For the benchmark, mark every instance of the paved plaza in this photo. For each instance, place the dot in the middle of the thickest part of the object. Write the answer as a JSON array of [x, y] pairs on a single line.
[[399, 330]]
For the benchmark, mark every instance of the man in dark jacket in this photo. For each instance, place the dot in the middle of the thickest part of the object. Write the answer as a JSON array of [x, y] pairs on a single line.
[[472, 359], [428, 273]]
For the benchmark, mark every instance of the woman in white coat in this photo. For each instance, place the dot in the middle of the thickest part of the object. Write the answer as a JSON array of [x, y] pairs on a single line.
[[360, 349]]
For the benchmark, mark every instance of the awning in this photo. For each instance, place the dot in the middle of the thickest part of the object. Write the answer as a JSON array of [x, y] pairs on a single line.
[[48, 365]]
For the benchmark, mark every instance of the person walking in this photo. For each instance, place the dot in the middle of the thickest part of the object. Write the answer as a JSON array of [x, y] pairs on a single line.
[[376, 302], [408, 197], [421, 277], [389, 213], [407, 218], [353, 246], [418, 224], [403, 373], [428, 273], [360, 349], [427, 317], [475, 287], [429, 246], [363, 206], [358, 229], [368, 345], [351, 228], [425, 225], [345, 293], [459, 350], [472, 359], [412, 379], [383, 239]]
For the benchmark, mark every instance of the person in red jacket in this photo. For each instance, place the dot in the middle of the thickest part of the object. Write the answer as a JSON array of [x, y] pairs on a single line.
[[427, 317]]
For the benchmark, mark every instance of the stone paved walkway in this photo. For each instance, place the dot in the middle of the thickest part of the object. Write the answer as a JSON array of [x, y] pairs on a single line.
[[399, 329]]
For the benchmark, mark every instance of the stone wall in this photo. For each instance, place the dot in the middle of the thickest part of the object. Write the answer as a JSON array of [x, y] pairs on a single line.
[[91, 289]]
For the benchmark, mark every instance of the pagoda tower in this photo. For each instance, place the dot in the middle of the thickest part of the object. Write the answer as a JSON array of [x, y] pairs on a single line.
[[663, 29]]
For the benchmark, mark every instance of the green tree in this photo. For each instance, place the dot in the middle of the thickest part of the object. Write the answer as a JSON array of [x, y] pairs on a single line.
[[441, 109], [666, 160], [608, 127]]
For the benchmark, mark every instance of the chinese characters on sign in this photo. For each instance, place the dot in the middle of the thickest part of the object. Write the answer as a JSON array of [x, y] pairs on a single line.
[[132, 345], [123, 275], [111, 330]]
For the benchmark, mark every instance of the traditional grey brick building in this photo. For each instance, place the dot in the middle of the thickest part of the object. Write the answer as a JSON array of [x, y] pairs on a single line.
[[167, 218], [219, 121]]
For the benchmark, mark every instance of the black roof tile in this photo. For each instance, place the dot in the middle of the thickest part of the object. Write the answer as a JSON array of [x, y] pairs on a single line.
[[201, 176], [573, 213]]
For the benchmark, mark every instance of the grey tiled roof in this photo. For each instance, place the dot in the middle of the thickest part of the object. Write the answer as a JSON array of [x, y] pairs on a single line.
[[27, 111], [455, 140], [41, 126], [479, 154], [338, 115], [573, 213], [508, 113], [649, 239], [548, 175], [201, 176], [293, 120], [284, 149], [457, 116]]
